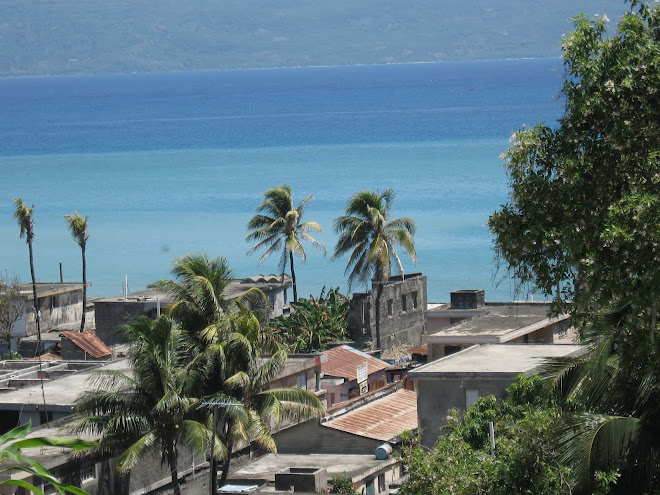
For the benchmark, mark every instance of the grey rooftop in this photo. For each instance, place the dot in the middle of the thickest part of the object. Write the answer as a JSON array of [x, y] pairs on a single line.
[[494, 360]]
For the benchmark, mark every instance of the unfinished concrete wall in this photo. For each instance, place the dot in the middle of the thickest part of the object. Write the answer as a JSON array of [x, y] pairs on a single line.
[[313, 438], [402, 313], [110, 315], [436, 397]]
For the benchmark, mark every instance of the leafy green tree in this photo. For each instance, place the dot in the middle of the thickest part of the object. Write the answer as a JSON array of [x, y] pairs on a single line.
[[14, 440], [584, 214], [368, 233], [583, 224], [154, 409], [315, 322], [525, 460], [278, 226], [78, 228]]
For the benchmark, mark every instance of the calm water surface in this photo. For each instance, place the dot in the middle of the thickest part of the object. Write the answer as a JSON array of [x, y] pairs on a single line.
[[167, 164]]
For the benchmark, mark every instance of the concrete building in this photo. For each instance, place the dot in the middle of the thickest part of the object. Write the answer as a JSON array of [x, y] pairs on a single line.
[[115, 311], [62, 380], [457, 381], [470, 320], [60, 304], [402, 306], [358, 426], [343, 380]]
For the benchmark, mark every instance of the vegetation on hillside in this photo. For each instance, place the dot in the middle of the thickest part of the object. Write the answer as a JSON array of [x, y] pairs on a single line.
[[43, 37]]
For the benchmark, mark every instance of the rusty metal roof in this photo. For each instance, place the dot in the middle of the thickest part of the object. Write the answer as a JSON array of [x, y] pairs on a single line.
[[383, 419], [49, 356], [89, 342], [343, 362]]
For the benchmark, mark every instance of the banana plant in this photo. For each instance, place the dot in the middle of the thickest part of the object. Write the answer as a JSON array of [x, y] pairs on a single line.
[[14, 440]]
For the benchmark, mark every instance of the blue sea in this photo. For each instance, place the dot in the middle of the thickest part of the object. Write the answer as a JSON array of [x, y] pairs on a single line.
[[172, 163]]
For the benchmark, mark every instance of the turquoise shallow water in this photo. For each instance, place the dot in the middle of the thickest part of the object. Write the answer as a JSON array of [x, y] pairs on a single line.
[[168, 164]]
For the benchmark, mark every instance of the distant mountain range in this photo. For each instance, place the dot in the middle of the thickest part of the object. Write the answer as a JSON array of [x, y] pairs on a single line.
[[47, 37]]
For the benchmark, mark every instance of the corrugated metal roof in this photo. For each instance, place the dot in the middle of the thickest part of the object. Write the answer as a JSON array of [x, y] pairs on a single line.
[[89, 342], [343, 362], [383, 419]]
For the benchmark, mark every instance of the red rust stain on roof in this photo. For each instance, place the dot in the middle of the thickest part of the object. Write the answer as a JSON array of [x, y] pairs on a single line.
[[383, 419], [343, 362], [89, 342]]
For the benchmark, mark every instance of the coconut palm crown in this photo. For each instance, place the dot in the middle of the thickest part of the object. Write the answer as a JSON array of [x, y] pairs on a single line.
[[278, 226], [368, 234]]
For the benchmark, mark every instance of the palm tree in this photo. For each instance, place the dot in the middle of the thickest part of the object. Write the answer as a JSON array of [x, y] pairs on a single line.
[[23, 215], [611, 411], [78, 227], [199, 292], [155, 407], [368, 234], [250, 410], [278, 225]]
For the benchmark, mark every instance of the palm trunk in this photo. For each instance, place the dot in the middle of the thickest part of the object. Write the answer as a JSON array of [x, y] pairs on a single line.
[[172, 460], [225, 465], [34, 295], [293, 278], [84, 299], [36, 318]]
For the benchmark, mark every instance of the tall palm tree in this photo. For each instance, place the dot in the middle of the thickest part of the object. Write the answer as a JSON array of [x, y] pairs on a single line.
[[371, 237], [154, 408], [24, 216], [277, 225], [78, 228]]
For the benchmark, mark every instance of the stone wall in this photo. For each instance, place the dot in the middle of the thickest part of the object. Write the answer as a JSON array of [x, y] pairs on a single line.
[[402, 313]]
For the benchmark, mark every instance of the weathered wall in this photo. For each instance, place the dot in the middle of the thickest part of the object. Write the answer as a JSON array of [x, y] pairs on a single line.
[[402, 313], [312, 438], [110, 315], [435, 397]]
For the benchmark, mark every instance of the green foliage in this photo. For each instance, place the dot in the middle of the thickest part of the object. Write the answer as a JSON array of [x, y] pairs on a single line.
[[41, 37], [278, 226], [583, 225], [525, 460], [315, 322], [370, 236], [342, 483], [14, 440], [152, 410]]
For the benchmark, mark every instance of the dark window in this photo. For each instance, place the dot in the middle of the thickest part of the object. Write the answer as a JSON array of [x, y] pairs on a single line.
[[452, 349], [404, 303], [390, 307], [413, 298]]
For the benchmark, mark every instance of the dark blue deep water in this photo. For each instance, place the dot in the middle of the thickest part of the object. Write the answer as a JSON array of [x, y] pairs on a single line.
[[166, 164]]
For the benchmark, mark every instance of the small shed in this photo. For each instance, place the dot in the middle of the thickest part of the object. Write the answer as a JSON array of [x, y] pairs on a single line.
[[84, 346]]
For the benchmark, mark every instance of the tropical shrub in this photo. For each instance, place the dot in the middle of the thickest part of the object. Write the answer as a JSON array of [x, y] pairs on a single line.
[[342, 483], [315, 322]]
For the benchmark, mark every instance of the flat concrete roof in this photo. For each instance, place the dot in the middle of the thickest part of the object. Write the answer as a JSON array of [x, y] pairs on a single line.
[[61, 392], [45, 289], [492, 322], [494, 360], [234, 289], [268, 466]]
